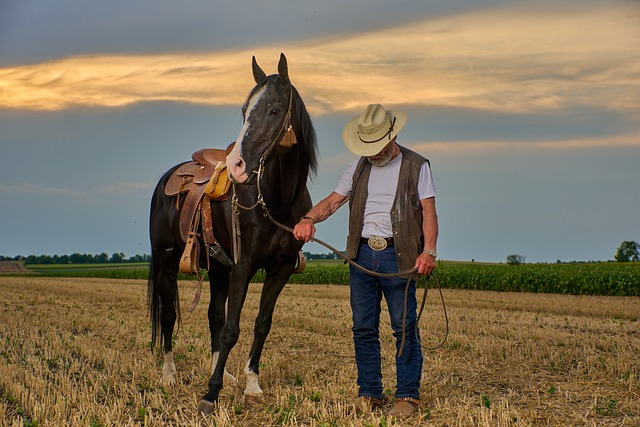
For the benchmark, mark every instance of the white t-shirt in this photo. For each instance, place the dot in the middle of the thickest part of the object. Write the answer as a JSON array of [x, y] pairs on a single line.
[[383, 182]]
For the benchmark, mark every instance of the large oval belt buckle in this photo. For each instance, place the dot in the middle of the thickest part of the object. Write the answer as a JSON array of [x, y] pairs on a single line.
[[377, 243]]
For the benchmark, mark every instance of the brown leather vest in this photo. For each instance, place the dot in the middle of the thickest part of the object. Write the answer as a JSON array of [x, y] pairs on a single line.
[[406, 211]]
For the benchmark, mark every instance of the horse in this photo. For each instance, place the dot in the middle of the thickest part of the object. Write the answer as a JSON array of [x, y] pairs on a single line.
[[274, 155]]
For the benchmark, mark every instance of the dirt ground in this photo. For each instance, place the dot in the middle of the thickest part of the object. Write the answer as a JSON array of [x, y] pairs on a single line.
[[12, 267], [75, 352]]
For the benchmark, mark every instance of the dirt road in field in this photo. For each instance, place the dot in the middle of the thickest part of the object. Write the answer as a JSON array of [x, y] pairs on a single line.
[[12, 267]]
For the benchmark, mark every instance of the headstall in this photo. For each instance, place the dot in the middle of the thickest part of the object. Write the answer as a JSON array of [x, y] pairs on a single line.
[[286, 137]]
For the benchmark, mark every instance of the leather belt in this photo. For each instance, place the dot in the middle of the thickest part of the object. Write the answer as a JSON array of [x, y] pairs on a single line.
[[377, 243]]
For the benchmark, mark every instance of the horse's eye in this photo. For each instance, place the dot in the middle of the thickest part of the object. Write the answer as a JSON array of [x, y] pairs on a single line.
[[274, 111]]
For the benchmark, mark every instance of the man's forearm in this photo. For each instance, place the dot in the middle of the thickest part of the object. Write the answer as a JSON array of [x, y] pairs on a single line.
[[430, 232], [326, 207], [429, 224]]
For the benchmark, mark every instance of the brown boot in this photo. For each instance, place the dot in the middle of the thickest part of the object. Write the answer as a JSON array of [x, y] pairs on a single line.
[[405, 407], [367, 404]]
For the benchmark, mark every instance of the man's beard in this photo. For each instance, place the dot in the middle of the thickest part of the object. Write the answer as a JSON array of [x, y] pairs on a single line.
[[383, 157]]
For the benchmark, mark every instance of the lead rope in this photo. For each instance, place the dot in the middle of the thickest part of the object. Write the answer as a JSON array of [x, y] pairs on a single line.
[[411, 273]]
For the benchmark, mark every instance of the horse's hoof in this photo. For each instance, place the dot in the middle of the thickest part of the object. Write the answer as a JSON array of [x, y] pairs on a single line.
[[253, 400], [205, 407], [168, 381]]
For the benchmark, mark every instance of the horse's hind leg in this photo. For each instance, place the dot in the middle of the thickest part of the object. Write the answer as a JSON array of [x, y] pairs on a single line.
[[170, 308], [273, 285]]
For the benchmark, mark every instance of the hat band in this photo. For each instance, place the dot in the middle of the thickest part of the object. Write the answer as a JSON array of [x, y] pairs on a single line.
[[382, 137]]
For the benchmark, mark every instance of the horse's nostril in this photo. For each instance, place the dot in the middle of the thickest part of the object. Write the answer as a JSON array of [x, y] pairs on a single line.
[[239, 163]]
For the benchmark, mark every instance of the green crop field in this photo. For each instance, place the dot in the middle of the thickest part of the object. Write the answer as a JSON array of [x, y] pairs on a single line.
[[598, 278], [602, 278]]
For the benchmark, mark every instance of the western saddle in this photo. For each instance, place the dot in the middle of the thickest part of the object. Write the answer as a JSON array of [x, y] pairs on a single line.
[[202, 179]]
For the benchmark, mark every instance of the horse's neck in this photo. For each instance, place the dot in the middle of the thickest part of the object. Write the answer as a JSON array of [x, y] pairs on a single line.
[[285, 182]]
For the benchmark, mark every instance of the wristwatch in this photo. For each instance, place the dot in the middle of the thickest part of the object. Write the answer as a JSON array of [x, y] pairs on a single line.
[[431, 252]]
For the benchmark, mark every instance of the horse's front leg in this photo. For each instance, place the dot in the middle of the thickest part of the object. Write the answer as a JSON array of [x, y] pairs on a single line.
[[273, 285], [238, 285]]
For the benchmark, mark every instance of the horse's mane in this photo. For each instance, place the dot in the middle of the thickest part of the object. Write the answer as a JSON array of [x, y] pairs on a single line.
[[307, 132], [305, 126]]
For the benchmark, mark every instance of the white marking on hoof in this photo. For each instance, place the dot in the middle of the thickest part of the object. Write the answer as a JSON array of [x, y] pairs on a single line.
[[227, 376], [205, 407], [230, 378], [168, 370], [253, 388]]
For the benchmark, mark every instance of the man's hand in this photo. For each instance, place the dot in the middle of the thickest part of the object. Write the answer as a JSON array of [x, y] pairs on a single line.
[[425, 263], [304, 230]]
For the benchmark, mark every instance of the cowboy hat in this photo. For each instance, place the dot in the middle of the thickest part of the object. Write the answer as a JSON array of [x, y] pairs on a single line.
[[368, 134]]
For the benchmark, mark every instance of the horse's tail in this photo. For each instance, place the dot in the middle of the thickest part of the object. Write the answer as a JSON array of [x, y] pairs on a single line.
[[162, 288], [153, 301]]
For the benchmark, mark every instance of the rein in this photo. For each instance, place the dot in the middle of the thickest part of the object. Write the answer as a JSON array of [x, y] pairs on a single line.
[[412, 272]]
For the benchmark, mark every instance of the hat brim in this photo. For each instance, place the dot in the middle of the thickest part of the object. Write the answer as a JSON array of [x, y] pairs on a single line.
[[353, 143]]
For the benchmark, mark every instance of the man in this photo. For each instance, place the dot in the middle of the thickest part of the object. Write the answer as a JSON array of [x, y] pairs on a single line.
[[393, 227]]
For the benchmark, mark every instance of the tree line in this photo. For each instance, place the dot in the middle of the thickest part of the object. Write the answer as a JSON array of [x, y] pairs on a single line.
[[627, 251], [115, 258], [310, 256], [77, 258]]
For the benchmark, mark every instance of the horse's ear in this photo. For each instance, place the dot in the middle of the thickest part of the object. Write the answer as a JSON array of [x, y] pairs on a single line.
[[258, 74], [283, 69]]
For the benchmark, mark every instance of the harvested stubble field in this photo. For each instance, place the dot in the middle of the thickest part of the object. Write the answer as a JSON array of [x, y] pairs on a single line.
[[76, 352]]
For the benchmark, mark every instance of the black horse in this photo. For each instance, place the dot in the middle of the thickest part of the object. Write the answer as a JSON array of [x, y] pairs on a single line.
[[272, 171]]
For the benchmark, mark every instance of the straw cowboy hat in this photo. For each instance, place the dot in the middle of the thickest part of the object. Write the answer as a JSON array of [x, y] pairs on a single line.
[[368, 134]]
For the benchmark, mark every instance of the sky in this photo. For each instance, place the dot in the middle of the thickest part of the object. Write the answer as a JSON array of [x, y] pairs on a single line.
[[529, 112]]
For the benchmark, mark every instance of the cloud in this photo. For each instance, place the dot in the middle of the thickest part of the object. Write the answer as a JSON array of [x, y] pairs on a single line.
[[119, 188], [126, 187], [614, 141], [28, 188], [509, 61], [115, 81]]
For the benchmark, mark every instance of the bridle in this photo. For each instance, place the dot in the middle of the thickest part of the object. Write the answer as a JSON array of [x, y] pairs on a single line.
[[285, 137], [286, 131]]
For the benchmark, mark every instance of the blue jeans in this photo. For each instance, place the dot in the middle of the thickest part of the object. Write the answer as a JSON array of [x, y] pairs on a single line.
[[366, 295]]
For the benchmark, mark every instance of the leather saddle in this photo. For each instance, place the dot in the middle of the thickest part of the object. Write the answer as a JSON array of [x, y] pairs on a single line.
[[200, 180]]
